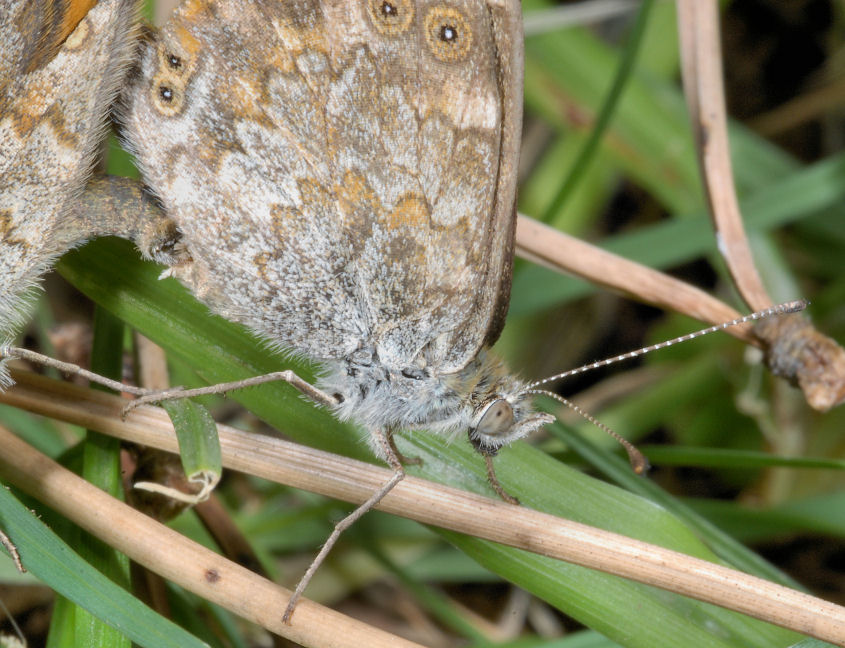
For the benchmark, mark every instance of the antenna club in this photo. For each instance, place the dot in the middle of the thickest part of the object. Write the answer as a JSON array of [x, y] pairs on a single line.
[[639, 462]]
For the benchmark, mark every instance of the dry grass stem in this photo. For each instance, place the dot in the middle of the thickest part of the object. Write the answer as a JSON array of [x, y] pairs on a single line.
[[553, 249], [179, 559], [812, 105], [809, 359], [701, 59], [354, 481], [152, 364], [794, 349]]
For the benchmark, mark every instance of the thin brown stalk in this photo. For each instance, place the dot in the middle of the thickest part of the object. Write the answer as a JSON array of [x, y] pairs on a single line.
[[553, 249], [810, 106], [418, 499], [701, 58], [152, 364], [794, 349], [179, 559]]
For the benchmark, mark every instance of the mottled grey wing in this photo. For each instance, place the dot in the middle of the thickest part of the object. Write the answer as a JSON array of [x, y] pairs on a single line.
[[337, 168], [430, 119]]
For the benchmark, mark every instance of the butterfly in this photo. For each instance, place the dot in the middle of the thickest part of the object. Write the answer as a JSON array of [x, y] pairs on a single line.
[[344, 175]]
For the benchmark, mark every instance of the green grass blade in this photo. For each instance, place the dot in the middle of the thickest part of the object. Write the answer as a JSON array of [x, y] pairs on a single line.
[[101, 467], [821, 514], [59, 567], [724, 458], [585, 157], [199, 446], [816, 189], [164, 312]]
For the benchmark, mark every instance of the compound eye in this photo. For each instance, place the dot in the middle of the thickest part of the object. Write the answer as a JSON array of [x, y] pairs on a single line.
[[497, 419]]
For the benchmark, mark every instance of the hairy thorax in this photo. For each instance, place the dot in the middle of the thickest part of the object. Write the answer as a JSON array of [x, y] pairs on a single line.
[[417, 397]]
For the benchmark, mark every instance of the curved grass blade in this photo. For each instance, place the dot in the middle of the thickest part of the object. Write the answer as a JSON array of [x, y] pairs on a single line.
[[59, 567]]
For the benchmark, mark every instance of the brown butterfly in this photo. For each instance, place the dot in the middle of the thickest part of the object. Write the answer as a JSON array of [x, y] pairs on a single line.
[[343, 175]]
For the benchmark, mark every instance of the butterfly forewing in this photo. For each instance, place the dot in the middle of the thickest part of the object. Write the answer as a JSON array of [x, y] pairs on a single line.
[[347, 166]]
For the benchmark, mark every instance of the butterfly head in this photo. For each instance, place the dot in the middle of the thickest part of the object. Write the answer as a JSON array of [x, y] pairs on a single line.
[[501, 408], [502, 420]]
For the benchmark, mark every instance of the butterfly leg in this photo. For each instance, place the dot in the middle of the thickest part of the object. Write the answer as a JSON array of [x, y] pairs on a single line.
[[318, 396], [495, 483], [10, 352], [383, 439], [114, 206], [403, 459]]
